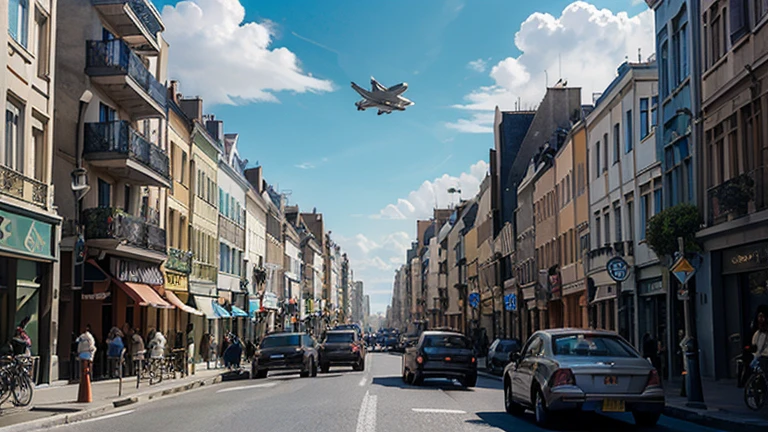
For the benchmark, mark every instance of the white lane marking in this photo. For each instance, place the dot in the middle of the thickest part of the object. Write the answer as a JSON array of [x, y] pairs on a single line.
[[363, 381], [247, 387], [108, 416], [438, 411], [366, 420]]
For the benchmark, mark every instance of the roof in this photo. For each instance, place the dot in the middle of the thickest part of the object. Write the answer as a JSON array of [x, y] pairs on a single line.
[[341, 331], [570, 330], [440, 332]]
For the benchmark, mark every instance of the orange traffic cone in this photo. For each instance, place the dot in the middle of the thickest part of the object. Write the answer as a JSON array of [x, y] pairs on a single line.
[[84, 393]]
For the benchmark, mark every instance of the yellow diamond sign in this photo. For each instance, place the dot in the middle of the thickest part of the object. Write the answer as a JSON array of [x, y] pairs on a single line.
[[683, 270]]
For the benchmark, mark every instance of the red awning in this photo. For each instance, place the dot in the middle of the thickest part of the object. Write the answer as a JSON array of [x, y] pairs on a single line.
[[172, 299], [143, 294]]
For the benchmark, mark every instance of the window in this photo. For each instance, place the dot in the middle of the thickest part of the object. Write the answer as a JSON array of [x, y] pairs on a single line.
[[616, 142], [605, 152], [645, 125], [105, 194], [617, 219], [664, 69], [761, 9], [43, 43], [607, 226], [657, 203], [183, 167], [591, 345], [654, 110], [716, 33], [682, 61], [598, 233], [628, 132], [630, 219], [106, 113], [644, 215], [14, 137], [18, 16], [597, 160], [739, 19], [38, 137]]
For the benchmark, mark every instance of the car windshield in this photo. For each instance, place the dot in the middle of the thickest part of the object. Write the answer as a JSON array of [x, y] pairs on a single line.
[[280, 341], [508, 346], [446, 341], [591, 345], [340, 337]]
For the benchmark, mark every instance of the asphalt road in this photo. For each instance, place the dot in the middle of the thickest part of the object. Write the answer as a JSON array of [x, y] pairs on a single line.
[[342, 400]]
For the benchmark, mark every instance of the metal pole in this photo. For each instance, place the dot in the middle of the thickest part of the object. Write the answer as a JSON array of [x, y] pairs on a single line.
[[690, 347]]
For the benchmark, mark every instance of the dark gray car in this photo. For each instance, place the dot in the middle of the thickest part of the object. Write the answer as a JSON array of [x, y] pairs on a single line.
[[439, 354], [286, 351], [498, 354]]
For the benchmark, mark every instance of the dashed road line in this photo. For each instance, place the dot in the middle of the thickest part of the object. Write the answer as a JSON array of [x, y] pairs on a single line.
[[438, 411], [247, 387], [366, 420]]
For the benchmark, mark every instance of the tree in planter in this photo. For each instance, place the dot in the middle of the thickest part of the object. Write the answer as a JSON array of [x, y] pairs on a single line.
[[682, 220], [735, 195]]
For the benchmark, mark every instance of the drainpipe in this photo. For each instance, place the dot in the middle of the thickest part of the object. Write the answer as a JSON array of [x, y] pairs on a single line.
[[79, 180]]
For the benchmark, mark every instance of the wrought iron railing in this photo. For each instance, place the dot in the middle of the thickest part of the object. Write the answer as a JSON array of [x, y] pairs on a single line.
[[19, 186], [114, 223], [179, 260], [204, 271], [143, 9], [737, 197], [119, 137], [115, 57]]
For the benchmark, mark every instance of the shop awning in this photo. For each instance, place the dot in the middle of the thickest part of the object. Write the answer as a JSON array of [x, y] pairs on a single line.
[[143, 294], [172, 299], [219, 311], [254, 306], [205, 305], [237, 312]]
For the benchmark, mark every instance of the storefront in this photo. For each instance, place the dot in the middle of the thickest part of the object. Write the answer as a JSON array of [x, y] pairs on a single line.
[[603, 308], [574, 300], [27, 258]]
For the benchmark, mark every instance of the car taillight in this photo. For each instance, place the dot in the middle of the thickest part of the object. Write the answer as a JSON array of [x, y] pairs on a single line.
[[473, 360], [354, 347], [653, 379], [419, 359], [562, 377]]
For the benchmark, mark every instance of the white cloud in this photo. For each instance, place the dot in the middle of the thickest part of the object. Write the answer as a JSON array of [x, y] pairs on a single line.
[[305, 165], [218, 56], [478, 65], [375, 256], [420, 203], [590, 43]]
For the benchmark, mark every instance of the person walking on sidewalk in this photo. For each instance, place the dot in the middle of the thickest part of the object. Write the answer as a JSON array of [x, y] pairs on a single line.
[[156, 344], [760, 339], [86, 348], [115, 348], [137, 350], [191, 348]]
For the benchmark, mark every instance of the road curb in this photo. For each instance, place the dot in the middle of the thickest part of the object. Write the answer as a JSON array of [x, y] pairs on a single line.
[[58, 420], [703, 419]]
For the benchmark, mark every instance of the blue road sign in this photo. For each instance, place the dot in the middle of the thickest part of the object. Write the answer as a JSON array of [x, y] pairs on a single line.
[[618, 269], [510, 302]]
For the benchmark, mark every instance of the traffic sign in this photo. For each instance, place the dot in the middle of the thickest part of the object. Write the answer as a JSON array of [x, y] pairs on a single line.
[[618, 269], [474, 299], [683, 270], [510, 302]]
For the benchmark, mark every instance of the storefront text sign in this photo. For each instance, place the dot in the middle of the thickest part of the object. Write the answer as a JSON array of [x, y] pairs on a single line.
[[135, 271], [26, 235], [745, 258], [175, 281]]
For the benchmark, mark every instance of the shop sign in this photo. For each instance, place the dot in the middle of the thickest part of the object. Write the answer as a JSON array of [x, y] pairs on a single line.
[[26, 235], [175, 281], [269, 301], [618, 269], [651, 288], [745, 258], [135, 271], [96, 296]]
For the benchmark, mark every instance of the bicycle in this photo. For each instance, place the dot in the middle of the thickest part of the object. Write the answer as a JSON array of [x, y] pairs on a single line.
[[15, 379], [756, 389]]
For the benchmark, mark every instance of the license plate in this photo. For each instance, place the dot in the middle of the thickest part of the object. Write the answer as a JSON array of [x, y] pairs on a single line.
[[613, 405], [611, 380], [278, 356]]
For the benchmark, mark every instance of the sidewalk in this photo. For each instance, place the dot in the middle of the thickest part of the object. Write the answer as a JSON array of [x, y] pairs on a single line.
[[56, 404], [725, 407]]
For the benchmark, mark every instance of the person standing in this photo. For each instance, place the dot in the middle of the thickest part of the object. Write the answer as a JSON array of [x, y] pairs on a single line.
[[137, 350], [191, 348], [115, 347], [86, 348], [760, 339]]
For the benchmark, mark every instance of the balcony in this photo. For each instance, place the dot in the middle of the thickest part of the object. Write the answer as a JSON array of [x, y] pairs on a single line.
[[122, 234], [135, 21], [19, 186], [737, 197], [179, 260], [124, 77], [124, 152], [204, 271]]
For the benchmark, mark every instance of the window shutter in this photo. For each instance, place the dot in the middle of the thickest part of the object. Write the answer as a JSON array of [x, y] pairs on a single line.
[[739, 19]]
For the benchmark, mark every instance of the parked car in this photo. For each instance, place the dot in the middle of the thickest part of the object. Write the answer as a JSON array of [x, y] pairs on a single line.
[[440, 354], [585, 370], [498, 354], [286, 351], [406, 340], [342, 348]]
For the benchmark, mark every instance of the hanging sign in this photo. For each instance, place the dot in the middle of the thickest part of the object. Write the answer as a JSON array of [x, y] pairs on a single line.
[[618, 269]]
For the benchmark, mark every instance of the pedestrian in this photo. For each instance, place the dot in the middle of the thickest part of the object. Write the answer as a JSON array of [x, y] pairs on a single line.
[[137, 351], [760, 339], [86, 348], [115, 347], [191, 348], [156, 344], [21, 342]]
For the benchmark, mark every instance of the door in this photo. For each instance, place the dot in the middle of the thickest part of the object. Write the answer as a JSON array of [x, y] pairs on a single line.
[[523, 373]]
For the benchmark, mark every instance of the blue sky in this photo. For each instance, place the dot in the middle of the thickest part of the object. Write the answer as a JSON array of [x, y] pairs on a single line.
[[278, 74]]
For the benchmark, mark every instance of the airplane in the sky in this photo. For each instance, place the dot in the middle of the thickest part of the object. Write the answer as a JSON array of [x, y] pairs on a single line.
[[384, 99]]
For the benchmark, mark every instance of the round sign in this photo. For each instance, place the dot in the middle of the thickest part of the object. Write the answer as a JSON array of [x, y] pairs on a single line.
[[618, 269]]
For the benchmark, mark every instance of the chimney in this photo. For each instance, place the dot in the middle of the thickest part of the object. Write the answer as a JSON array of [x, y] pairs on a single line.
[[192, 108], [215, 129], [174, 91], [254, 177]]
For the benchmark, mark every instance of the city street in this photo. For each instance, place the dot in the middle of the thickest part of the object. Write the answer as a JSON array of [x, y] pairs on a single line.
[[342, 400]]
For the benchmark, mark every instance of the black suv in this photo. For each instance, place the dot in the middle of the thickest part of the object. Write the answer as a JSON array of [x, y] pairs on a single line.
[[342, 348], [286, 351], [440, 354]]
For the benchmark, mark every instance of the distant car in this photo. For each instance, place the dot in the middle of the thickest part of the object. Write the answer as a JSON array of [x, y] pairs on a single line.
[[286, 351], [354, 327], [440, 354], [584, 370], [390, 342], [498, 354], [405, 341], [342, 348]]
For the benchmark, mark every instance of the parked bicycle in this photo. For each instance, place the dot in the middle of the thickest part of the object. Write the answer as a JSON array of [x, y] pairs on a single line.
[[15, 380], [756, 389]]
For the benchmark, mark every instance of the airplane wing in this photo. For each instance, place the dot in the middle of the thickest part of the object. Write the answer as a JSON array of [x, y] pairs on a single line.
[[365, 103], [361, 91], [376, 86]]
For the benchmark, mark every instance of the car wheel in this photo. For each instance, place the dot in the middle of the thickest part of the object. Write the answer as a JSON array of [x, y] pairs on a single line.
[[405, 375], [510, 405], [325, 367], [540, 409], [314, 369], [362, 364], [417, 379], [469, 381], [306, 373], [646, 419], [260, 374]]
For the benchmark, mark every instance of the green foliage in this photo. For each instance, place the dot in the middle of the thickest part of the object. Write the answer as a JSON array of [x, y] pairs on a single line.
[[682, 220], [734, 195]]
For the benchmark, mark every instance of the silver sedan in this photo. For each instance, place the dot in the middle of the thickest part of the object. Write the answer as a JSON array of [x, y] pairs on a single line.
[[582, 370]]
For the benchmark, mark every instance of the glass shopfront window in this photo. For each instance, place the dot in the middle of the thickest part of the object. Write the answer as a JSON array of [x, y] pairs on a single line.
[[19, 298]]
